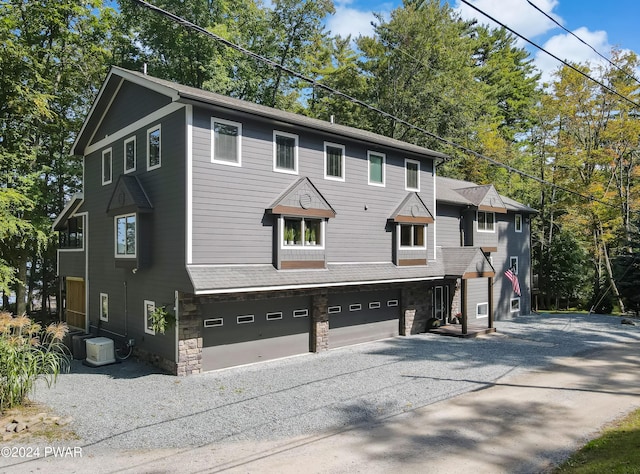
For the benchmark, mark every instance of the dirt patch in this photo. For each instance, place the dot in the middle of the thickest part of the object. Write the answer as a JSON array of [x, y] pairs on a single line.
[[34, 422]]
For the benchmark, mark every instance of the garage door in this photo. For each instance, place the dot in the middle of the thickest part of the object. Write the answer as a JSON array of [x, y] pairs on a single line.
[[363, 316], [252, 331]]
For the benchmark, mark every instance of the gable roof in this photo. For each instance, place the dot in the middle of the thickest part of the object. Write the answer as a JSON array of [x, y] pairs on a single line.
[[190, 95], [128, 196], [69, 210], [412, 210], [468, 194], [302, 199], [466, 262]]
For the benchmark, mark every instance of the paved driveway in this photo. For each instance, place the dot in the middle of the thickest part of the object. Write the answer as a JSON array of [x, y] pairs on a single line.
[[422, 403]]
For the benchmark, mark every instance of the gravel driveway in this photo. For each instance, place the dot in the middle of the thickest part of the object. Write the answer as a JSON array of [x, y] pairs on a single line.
[[132, 406]]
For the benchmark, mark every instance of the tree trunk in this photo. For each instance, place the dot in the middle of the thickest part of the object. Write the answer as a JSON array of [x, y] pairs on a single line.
[[21, 290], [612, 282]]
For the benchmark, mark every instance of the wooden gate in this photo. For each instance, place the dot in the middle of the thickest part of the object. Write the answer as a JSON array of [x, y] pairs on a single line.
[[75, 309]]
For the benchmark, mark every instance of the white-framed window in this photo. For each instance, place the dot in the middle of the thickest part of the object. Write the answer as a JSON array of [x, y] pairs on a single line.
[[154, 148], [334, 309], [334, 158], [302, 232], [245, 319], [72, 236], [392, 303], [513, 264], [412, 175], [226, 142], [130, 160], [104, 307], [374, 305], [412, 236], [377, 165], [482, 310], [518, 222], [107, 166], [355, 307], [515, 305], [486, 221], [300, 313], [285, 152], [126, 236], [213, 322], [274, 316], [149, 308]]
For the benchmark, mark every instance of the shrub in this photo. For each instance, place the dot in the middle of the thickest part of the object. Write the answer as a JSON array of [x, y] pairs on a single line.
[[29, 352]]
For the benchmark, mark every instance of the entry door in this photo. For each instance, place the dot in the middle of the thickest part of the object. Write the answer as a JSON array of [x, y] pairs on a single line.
[[75, 308], [441, 303]]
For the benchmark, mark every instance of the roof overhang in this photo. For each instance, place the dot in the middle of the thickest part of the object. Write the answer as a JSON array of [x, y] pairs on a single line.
[[68, 211]]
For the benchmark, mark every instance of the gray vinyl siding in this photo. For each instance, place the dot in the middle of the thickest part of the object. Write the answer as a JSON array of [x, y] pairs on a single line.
[[476, 293], [448, 226], [229, 220], [71, 263], [164, 242], [132, 103]]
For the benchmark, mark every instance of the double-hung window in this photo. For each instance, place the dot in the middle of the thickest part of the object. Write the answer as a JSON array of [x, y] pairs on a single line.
[[486, 221], [107, 166], [334, 161], [302, 232], [126, 236], [226, 142], [376, 168], [130, 154], [154, 148], [285, 152], [412, 175], [412, 235]]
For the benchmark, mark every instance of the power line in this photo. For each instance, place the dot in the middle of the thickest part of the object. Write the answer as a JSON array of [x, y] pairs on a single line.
[[186, 23], [630, 76], [569, 65]]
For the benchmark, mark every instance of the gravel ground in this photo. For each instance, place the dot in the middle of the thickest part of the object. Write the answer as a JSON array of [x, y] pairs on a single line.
[[131, 406]]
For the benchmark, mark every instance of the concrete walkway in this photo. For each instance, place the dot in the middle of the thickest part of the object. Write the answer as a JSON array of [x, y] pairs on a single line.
[[521, 424]]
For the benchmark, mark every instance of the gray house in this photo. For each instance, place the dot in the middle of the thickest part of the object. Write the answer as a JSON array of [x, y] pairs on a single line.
[[268, 233]]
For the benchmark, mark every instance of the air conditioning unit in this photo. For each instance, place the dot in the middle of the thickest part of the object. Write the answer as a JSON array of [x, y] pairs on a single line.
[[100, 351]]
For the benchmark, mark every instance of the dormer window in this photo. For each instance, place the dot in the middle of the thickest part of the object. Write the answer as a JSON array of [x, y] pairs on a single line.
[[302, 232], [126, 236], [412, 236], [486, 221]]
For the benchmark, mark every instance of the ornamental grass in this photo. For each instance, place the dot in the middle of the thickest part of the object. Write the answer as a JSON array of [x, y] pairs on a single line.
[[29, 352]]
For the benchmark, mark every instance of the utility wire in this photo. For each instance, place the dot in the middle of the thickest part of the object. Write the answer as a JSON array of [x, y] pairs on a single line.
[[569, 65], [331, 90], [630, 76]]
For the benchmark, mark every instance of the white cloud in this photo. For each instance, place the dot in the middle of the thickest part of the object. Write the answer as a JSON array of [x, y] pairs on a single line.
[[350, 21], [570, 49]]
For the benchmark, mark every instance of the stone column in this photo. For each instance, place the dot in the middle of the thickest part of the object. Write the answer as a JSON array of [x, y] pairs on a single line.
[[189, 338], [319, 322]]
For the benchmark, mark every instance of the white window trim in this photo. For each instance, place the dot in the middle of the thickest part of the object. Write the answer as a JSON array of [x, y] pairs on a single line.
[[511, 305], [517, 264], [492, 231], [478, 315], [517, 221], [103, 317], [295, 153], [384, 168], [274, 316], [110, 152], [135, 155], [392, 303], [303, 246], [115, 235], [213, 323], [148, 303], [149, 132], [374, 305], [238, 162], [245, 319], [334, 309], [407, 188], [300, 313], [412, 247], [344, 159]]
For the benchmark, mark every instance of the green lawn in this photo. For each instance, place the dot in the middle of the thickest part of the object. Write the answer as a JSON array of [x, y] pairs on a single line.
[[617, 451]]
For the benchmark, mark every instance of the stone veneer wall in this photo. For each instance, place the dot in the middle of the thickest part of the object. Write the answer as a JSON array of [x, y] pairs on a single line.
[[416, 308]]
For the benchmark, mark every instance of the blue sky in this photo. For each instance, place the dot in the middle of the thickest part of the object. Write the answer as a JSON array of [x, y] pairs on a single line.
[[600, 23]]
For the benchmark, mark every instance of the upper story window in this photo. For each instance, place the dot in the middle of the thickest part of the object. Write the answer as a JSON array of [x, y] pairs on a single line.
[[126, 236], [376, 168], [486, 221], [412, 175], [518, 222], [154, 148], [412, 235], [513, 264], [130, 155], [107, 166], [285, 152], [72, 236], [225, 142], [302, 232], [334, 161]]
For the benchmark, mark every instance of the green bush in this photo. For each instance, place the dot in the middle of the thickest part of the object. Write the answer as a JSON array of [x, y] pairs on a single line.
[[28, 353]]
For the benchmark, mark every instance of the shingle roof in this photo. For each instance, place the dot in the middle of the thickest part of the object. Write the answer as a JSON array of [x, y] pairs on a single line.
[[466, 193]]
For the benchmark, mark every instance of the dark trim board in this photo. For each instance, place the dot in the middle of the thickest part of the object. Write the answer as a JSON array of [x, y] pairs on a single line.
[[302, 264], [407, 262]]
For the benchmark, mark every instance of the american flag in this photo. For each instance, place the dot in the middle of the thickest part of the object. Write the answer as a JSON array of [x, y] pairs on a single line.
[[514, 281]]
